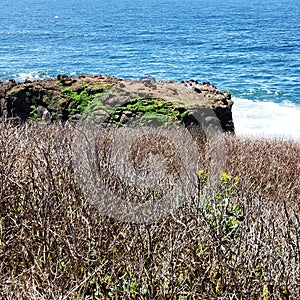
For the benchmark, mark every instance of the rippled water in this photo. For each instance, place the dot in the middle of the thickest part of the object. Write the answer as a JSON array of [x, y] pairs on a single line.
[[250, 48]]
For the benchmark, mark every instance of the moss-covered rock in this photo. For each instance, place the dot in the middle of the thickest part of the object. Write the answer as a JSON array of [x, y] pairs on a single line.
[[66, 98], [62, 97]]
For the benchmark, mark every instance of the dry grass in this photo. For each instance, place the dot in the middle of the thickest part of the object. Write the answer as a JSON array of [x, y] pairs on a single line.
[[243, 243]]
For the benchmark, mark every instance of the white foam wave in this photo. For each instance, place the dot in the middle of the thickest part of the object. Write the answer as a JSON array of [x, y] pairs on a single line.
[[34, 75], [266, 119]]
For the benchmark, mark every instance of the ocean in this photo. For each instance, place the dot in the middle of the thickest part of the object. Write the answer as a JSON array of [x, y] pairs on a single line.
[[249, 48]]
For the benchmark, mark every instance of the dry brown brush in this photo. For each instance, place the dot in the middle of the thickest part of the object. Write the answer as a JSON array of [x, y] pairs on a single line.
[[238, 241]]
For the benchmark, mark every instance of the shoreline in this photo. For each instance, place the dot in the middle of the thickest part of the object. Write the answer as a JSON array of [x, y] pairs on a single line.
[[254, 119]]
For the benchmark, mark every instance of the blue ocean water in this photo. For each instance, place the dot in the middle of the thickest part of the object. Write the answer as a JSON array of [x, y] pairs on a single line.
[[249, 48]]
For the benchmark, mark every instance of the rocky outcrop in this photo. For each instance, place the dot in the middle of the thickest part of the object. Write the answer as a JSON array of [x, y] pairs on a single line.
[[56, 98], [220, 102], [65, 98]]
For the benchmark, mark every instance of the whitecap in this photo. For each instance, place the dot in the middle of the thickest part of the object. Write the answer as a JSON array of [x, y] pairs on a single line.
[[269, 119], [33, 75]]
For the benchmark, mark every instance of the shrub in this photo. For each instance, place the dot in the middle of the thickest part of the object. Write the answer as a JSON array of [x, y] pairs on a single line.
[[236, 240]]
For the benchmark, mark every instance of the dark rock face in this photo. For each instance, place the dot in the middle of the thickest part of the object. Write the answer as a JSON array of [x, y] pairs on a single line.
[[64, 98], [219, 101]]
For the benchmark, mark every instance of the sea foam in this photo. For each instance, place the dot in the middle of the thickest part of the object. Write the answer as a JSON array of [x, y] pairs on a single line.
[[266, 119]]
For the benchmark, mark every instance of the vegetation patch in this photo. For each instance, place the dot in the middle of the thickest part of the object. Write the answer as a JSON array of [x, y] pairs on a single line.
[[81, 97], [147, 111], [238, 239], [33, 115], [81, 100]]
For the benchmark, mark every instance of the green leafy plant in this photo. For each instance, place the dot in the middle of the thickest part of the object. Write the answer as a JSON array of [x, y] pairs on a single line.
[[223, 215], [33, 115]]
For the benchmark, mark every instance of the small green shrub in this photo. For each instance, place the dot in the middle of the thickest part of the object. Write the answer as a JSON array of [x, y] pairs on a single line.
[[33, 115], [221, 213]]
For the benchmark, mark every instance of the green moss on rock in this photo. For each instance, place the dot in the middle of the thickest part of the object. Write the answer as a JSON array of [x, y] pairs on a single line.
[[147, 111]]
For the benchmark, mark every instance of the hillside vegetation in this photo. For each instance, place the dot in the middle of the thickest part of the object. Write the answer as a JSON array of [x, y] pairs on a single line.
[[240, 241]]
